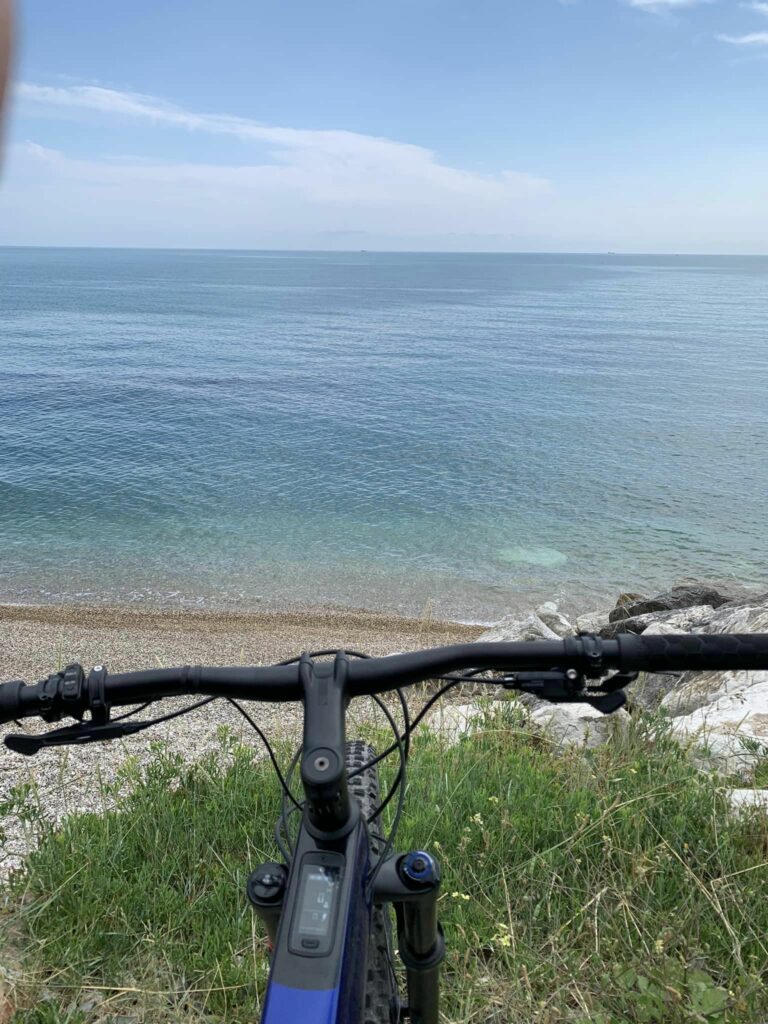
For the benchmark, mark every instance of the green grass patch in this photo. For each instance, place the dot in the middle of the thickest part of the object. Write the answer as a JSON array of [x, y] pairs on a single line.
[[611, 887]]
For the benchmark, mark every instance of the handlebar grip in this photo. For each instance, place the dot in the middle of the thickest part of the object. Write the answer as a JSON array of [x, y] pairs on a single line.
[[701, 652], [10, 701]]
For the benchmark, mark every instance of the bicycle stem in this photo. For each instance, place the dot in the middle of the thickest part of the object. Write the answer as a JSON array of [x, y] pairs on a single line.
[[330, 812]]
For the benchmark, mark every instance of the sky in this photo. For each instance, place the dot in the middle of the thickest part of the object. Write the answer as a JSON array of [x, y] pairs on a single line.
[[491, 125]]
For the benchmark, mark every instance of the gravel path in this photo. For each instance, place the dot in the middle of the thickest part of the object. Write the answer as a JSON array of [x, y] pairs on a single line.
[[38, 640]]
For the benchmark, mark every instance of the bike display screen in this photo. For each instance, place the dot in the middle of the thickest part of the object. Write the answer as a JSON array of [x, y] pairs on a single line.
[[319, 887]]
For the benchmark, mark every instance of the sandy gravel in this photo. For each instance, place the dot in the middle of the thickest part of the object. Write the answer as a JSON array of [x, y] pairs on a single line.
[[38, 640]]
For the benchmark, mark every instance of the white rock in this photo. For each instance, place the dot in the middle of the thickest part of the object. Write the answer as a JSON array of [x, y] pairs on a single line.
[[747, 618], [698, 691], [690, 619], [735, 721], [686, 619], [511, 628], [455, 720], [663, 629], [747, 799], [552, 618], [566, 725], [580, 725], [592, 622]]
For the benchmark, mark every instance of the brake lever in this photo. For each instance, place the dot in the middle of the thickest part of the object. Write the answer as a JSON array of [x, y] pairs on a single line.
[[72, 735], [567, 687], [607, 703], [615, 682]]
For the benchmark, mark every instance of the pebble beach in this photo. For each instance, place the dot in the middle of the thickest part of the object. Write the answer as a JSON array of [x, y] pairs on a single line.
[[37, 640]]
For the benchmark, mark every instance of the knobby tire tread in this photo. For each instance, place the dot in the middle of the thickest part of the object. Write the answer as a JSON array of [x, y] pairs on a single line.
[[378, 990]]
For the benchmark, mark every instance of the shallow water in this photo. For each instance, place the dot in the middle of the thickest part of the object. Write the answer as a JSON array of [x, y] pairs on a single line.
[[467, 433]]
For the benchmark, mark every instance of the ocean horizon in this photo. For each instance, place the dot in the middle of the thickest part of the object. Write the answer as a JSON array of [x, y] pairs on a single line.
[[461, 433]]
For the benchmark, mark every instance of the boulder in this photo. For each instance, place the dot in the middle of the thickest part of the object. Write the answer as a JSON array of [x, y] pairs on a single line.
[[746, 800], [732, 724], [734, 593], [552, 618], [696, 690], [625, 601], [685, 596], [453, 721], [592, 622], [745, 618], [576, 725], [685, 620], [512, 628]]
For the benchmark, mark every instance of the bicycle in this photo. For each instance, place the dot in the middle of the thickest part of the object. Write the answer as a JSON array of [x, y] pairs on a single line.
[[326, 908]]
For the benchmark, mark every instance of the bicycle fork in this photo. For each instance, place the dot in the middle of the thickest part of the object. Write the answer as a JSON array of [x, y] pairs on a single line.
[[411, 882]]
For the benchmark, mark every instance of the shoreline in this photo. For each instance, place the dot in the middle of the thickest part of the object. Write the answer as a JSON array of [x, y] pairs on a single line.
[[39, 638]]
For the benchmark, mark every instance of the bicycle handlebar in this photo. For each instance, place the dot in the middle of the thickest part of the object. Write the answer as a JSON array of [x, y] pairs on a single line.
[[587, 655]]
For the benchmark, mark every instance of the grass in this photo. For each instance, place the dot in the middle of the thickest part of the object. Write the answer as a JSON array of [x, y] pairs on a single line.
[[611, 887]]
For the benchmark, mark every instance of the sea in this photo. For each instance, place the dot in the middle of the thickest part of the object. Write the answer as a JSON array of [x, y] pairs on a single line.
[[450, 435]]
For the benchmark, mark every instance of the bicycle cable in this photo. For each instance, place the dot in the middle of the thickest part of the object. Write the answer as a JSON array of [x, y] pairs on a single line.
[[271, 753], [452, 681], [399, 787]]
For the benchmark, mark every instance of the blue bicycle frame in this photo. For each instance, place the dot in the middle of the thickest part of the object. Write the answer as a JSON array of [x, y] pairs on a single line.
[[319, 979]]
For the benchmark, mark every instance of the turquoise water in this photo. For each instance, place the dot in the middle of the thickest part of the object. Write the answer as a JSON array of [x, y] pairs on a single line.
[[471, 432]]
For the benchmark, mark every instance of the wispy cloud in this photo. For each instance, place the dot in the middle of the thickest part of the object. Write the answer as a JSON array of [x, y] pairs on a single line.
[[352, 157], [757, 5], [750, 39], [656, 6], [291, 183]]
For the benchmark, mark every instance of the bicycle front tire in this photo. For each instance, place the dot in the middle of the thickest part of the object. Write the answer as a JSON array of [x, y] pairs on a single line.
[[380, 992]]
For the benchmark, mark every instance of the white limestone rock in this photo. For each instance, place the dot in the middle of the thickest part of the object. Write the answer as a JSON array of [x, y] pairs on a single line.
[[592, 622], [576, 725], [686, 619], [746, 800], [512, 628], [548, 613], [732, 727], [452, 721]]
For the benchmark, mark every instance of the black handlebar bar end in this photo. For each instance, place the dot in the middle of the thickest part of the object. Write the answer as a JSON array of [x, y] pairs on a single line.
[[10, 701]]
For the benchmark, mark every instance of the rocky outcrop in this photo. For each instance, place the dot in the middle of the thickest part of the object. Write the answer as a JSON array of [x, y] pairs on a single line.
[[750, 617], [592, 622], [553, 620], [510, 629], [453, 721], [731, 729], [722, 717], [686, 620], [685, 595], [725, 714], [743, 801], [576, 725]]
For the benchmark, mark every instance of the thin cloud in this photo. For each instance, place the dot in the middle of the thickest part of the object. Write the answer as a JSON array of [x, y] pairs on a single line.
[[654, 6], [291, 186], [761, 8], [750, 39], [351, 156]]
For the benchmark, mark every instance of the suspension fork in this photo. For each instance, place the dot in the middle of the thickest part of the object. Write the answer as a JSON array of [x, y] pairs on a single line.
[[411, 881]]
